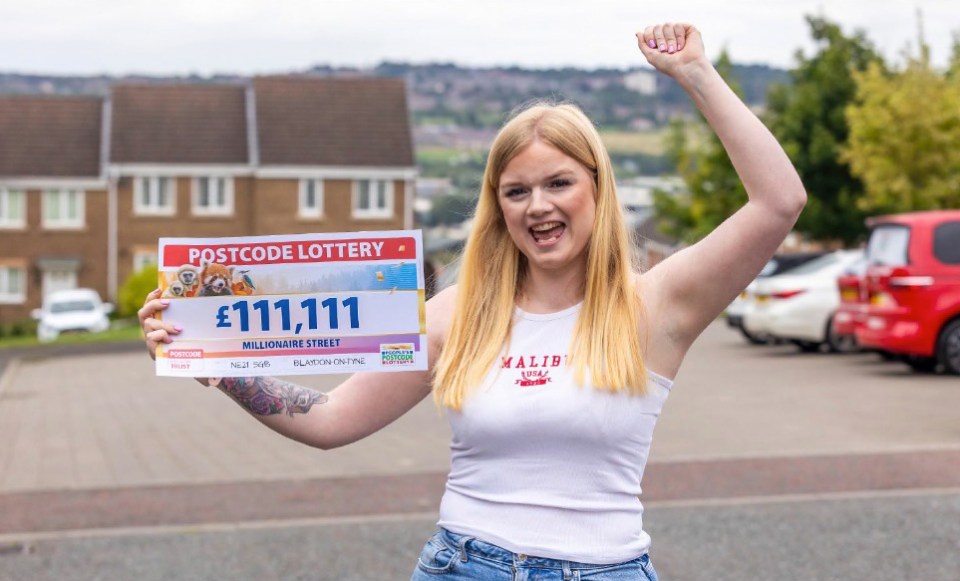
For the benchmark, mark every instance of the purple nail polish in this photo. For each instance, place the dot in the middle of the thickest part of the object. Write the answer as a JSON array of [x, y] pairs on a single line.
[[177, 328], [670, 49], [663, 47], [164, 301], [652, 43]]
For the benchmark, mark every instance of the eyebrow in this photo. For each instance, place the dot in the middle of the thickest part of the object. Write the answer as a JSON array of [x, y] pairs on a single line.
[[553, 176]]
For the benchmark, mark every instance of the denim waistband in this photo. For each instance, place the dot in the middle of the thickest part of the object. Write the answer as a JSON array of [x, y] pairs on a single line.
[[472, 546]]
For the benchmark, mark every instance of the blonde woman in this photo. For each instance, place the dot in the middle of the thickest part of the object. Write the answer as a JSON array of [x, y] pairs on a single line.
[[552, 356]]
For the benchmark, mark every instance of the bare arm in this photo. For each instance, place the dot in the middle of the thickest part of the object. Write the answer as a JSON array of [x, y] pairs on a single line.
[[689, 289], [360, 406]]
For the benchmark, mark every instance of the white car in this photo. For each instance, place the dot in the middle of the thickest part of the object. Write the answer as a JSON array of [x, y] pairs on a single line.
[[744, 302], [68, 311], [798, 304]]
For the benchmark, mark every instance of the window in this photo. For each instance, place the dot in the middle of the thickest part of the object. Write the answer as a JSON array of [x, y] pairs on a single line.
[[142, 258], [311, 198], [154, 196], [12, 210], [888, 245], [946, 242], [57, 280], [12, 285], [213, 196], [815, 265], [373, 199], [63, 209]]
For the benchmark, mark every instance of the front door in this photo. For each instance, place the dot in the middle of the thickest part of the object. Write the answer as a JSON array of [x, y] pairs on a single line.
[[54, 280]]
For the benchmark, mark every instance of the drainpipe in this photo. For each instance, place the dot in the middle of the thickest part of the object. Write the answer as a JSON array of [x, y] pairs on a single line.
[[105, 128], [112, 250]]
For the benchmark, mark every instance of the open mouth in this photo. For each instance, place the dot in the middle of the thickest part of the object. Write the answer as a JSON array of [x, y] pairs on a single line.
[[547, 232]]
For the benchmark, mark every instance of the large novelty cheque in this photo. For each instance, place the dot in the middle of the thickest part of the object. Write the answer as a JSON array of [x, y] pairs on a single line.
[[282, 305]]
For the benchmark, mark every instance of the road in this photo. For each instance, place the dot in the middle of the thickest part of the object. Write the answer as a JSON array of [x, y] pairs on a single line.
[[767, 464]]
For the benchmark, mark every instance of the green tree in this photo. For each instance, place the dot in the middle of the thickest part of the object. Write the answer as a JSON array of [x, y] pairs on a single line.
[[134, 290], [807, 116], [714, 190], [953, 69], [905, 137]]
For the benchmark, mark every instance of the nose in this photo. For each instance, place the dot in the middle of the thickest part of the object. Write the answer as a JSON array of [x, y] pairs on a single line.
[[539, 202]]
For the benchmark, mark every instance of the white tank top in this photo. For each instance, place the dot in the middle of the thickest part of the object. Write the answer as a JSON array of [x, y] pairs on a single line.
[[542, 467]]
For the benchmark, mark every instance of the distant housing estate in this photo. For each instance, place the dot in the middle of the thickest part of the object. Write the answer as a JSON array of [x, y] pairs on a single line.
[[88, 184]]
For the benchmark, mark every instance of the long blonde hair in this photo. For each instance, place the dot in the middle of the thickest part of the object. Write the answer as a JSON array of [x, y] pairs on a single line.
[[606, 339]]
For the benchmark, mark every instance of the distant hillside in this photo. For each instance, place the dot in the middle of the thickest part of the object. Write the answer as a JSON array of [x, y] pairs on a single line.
[[480, 98], [615, 99]]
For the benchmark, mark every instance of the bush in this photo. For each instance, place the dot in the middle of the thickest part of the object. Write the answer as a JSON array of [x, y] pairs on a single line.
[[135, 289], [21, 328]]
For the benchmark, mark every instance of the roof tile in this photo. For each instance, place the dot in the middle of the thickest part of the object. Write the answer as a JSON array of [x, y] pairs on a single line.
[[42, 136], [179, 124], [311, 121]]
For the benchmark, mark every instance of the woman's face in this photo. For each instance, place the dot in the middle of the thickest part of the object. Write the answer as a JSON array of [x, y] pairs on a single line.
[[547, 200]]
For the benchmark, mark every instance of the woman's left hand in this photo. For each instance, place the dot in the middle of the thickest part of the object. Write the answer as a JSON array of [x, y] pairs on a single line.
[[672, 48]]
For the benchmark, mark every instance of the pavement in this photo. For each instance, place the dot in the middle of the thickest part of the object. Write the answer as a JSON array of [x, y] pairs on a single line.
[[99, 455]]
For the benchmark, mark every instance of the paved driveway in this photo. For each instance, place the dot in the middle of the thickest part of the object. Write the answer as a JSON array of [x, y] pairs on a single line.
[[767, 464]]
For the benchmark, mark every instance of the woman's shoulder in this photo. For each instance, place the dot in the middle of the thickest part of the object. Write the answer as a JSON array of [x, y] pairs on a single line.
[[444, 299], [440, 309]]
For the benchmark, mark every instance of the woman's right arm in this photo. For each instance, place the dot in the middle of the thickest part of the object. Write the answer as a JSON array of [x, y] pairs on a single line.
[[360, 406]]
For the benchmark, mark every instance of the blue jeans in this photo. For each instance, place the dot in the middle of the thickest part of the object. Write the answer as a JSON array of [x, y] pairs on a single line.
[[451, 557]]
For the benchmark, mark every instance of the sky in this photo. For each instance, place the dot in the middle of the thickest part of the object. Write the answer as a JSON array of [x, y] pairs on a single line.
[[259, 36]]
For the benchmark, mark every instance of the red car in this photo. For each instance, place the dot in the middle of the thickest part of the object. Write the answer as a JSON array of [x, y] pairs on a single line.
[[913, 289], [851, 313]]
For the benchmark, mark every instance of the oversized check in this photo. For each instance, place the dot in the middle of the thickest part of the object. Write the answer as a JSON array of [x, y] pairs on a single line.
[[282, 305]]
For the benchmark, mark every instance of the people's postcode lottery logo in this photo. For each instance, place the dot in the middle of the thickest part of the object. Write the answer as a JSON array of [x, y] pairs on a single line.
[[396, 353]]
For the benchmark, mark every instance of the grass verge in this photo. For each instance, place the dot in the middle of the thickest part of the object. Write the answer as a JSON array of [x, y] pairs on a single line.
[[120, 332]]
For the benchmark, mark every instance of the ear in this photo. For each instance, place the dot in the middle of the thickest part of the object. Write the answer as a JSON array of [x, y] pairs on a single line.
[[204, 264], [230, 271]]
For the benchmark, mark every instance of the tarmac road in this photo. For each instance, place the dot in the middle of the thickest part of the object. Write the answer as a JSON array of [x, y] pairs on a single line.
[[910, 536], [768, 464]]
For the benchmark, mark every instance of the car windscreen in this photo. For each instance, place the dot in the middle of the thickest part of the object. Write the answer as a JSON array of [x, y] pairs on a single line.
[[769, 268], [814, 265], [888, 245], [783, 262], [72, 306]]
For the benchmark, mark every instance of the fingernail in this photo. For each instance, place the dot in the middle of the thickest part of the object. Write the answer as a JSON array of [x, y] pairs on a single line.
[[177, 328], [651, 43], [164, 301], [156, 290], [679, 44], [663, 47], [670, 49]]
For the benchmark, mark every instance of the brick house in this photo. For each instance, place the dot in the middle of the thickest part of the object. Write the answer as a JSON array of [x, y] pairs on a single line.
[[53, 199], [277, 155]]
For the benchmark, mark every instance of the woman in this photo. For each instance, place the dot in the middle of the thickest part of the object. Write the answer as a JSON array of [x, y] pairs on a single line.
[[552, 354]]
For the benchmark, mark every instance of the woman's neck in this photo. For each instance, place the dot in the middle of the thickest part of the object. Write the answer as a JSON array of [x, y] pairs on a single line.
[[549, 291]]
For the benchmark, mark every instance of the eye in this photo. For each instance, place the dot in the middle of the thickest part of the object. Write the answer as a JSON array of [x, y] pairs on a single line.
[[514, 192], [558, 183]]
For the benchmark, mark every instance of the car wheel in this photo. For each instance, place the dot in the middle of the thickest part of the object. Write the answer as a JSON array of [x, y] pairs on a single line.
[[807, 346], [840, 343], [948, 348], [754, 339], [921, 364]]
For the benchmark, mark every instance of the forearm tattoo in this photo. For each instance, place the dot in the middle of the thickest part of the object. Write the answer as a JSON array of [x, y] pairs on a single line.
[[265, 396]]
